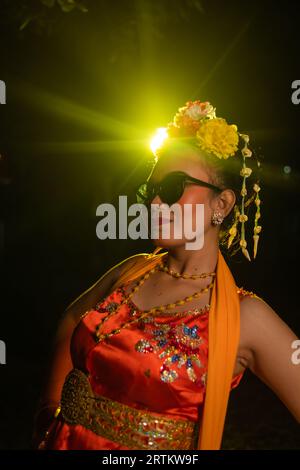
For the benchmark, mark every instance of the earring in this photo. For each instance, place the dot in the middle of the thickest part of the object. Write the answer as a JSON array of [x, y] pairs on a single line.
[[217, 218]]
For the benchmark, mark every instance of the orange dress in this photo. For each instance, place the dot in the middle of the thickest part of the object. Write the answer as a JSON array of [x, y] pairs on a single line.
[[158, 365]]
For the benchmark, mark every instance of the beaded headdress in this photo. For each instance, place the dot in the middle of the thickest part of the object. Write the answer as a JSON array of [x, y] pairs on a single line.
[[216, 137]]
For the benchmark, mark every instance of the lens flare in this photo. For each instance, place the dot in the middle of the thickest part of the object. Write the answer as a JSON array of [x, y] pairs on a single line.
[[158, 139]]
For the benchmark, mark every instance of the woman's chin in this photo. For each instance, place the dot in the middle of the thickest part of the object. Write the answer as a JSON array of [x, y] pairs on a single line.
[[167, 242]]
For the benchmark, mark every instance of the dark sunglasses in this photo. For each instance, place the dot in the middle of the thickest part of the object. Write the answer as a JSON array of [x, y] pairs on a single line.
[[170, 188]]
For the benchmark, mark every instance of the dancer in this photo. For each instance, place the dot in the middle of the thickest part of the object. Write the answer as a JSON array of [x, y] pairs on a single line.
[[146, 358]]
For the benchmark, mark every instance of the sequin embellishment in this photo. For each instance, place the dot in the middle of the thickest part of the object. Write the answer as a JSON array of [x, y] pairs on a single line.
[[178, 345], [110, 307]]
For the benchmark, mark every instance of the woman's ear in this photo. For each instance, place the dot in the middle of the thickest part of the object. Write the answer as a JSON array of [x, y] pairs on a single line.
[[225, 201]]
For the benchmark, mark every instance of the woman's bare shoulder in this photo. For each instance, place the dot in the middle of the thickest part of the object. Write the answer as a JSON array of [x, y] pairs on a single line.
[[255, 306], [254, 309]]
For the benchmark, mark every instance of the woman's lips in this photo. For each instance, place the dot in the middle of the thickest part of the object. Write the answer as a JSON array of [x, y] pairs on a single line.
[[158, 219], [163, 220]]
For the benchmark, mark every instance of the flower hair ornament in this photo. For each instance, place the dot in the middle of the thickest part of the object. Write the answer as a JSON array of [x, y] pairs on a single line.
[[215, 136]]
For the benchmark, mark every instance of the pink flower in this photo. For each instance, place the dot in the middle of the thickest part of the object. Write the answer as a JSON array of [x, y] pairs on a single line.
[[197, 110]]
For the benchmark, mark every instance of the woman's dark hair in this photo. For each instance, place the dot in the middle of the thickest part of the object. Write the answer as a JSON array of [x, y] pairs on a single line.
[[223, 173]]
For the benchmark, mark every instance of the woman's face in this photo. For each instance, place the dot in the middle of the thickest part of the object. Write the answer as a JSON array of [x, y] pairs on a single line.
[[187, 161]]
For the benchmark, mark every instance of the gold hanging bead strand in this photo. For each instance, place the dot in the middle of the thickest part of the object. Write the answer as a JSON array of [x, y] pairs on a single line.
[[245, 173], [257, 228], [233, 229]]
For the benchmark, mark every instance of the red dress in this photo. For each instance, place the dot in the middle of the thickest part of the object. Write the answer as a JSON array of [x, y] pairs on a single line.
[[158, 366]]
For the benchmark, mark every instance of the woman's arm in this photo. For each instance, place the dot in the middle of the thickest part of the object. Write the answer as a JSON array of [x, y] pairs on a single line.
[[274, 351], [60, 361]]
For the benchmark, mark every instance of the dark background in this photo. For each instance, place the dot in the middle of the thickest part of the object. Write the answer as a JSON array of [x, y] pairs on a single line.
[[85, 90]]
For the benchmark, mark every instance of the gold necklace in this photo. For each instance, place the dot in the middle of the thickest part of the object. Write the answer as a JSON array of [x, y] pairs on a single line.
[[193, 313], [104, 336], [166, 269], [184, 313]]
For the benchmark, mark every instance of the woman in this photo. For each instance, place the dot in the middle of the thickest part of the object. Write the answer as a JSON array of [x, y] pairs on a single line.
[[134, 366]]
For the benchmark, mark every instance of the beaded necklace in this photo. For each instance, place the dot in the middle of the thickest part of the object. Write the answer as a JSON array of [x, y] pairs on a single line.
[[104, 336], [185, 313], [166, 269]]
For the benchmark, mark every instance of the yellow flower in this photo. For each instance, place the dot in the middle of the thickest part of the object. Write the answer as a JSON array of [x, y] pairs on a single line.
[[217, 137]]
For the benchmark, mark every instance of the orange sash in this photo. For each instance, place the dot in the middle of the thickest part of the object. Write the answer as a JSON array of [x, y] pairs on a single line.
[[223, 340]]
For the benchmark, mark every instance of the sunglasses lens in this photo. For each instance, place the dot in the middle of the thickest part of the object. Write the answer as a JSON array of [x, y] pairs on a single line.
[[170, 190], [172, 187]]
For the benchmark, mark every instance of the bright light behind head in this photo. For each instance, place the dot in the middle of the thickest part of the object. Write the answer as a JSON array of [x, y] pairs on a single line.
[[158, 139]]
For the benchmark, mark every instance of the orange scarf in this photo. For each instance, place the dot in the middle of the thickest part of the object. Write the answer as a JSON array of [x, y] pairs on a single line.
[[223, 340]]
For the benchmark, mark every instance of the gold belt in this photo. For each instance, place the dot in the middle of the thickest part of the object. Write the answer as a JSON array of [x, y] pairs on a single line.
[[134, 428]]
